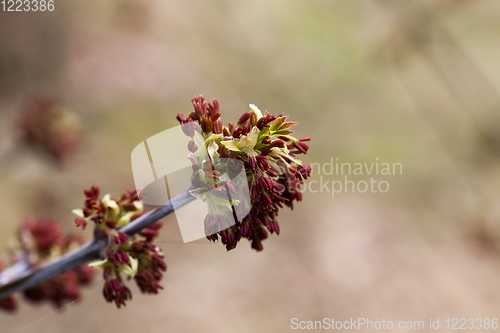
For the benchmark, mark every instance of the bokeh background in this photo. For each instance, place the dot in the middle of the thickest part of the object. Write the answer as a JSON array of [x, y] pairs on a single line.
[[410, 82]]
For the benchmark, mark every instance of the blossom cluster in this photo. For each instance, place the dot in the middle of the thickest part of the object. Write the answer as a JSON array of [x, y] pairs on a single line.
[[259, 147], [133, 256], [268, 152], [40, 241], [45, 124]]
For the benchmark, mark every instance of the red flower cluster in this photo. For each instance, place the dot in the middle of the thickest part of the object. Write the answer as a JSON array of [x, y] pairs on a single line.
[[45, 124], [40, 241], [135, 256], [268, 151]]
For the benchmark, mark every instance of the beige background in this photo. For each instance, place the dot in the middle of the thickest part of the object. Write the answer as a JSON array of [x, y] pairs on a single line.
[[411, 82]]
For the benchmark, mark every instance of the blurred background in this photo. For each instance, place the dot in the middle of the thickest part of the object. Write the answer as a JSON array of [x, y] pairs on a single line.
[[410, 82]]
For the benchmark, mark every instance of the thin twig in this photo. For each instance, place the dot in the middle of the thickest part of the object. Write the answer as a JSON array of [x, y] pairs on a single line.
[[12, 281]]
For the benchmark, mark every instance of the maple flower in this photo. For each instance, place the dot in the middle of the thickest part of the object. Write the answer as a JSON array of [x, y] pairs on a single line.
[[126, 256], [268, 152], [40, 241]]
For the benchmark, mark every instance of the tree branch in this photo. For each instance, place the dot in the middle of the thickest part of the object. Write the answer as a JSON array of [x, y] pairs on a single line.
[[20, 277]]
